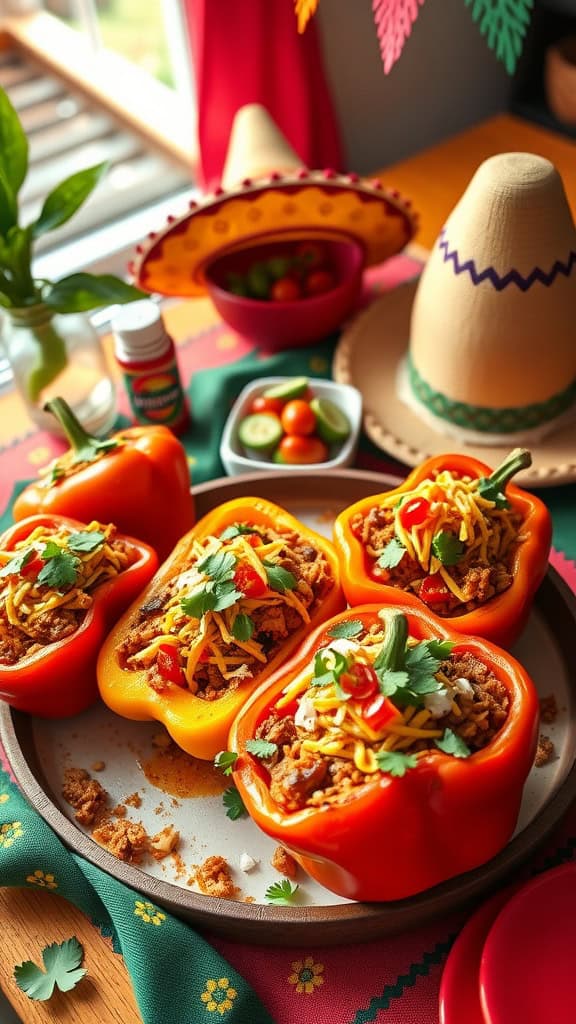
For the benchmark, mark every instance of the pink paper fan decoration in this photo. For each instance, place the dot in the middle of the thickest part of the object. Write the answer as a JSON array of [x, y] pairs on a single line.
[[394, 20]]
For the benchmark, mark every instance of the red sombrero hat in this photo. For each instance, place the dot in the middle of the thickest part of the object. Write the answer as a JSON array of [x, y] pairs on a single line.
[[266, 194]]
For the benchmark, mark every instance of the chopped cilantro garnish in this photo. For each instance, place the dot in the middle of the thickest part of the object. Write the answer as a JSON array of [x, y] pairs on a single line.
[[237, 530], [86, 540], [261, 748], [51, 550], [278, 578], [242, 628], [346, 630], [451, 743], [60, 569], [328, 667], [218, 566], [408, 673], [282, 893], [395, 763], [16, 564], [392, 554], [211, 597], [390, 682], [447, 548], [62, 969], [225, 760], [233, 803]]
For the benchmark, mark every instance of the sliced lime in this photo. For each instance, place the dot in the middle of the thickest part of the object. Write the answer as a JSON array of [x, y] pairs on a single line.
[[294, 387], [260, 431], [332, 425]]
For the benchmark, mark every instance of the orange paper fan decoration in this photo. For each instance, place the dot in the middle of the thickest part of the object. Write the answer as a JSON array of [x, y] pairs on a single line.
[[304, 11]]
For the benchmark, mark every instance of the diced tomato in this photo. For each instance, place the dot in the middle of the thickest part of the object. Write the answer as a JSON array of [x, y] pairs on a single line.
[[359, 681], [286, 289], [434, 590], [295, 450], [204, 655], [168, 664], [248, 581], [253, 539], [32, 568], [414, 512], [311, 254], [378, 573], [297, 417], [378, 710], [263, 404], [318, 282]]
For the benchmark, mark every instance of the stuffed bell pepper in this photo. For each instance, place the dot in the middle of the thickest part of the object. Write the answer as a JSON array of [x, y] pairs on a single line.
[[234, 599], [63, 584], [454, 537], [389, 754], [137, 479]]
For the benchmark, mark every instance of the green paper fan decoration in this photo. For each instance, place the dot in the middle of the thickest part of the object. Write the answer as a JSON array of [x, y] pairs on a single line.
[[504, 24]]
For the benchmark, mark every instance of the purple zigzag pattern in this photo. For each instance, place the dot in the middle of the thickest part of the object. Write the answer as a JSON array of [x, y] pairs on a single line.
[[512, 277]]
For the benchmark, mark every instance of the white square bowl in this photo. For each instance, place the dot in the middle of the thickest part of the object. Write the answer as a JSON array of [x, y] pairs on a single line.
[[346, 397]]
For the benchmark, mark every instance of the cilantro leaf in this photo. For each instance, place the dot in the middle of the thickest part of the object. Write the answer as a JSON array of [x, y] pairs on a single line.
[[211, 597], [440, 649], [278, 578], [282, 893], [328, 667], [219, 566], [62, 969], [237, 530], [242, 628], [51, 550], [225, 759], [391, 555], [233, 803], [447, 548], [86, 540], [16, 564], [225, 594], [261, 748], [421, 666], [390, 682], [452, 743], [395, 763], [59, 570], [346, 630]]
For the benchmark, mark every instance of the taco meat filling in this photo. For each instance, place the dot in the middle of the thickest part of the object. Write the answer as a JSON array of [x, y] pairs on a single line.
[[444, 542], [333, 729], [47, 582], [227, 610]]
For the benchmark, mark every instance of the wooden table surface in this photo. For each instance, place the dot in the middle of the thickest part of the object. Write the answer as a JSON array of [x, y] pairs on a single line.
[[434, 180]]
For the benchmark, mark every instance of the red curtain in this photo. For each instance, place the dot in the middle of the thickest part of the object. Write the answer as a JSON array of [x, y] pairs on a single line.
[[249, 51]]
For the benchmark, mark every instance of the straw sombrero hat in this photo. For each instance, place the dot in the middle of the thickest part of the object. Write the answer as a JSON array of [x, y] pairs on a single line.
[[265, 193], [482, 349]]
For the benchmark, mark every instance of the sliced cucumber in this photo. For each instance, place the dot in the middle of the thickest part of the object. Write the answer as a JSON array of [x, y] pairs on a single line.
[[260, 432], [332, 425], [294, 387]]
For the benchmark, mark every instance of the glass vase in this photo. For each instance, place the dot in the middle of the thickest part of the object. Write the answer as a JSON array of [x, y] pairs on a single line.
[[59, 355]]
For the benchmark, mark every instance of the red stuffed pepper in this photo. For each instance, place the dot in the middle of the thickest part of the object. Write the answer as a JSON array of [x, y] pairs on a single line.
[[389, 754], [454, 537], [63, 584]]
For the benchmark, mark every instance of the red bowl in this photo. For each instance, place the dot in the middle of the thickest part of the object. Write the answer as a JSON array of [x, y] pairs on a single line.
[[278, 325]]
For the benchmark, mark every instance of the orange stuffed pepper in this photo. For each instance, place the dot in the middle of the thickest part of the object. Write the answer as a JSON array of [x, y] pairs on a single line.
[[231, 603], [455, 537], [389, 754]]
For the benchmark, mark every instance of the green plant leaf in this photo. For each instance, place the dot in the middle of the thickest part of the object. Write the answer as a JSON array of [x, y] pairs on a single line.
[[80, 292], [13, 146], [60, 570], [61, 204], [62, 963], [452, 743], [17, 563], [395, 762], [282, 893], [225, 760], [261, 748], [86, 540], [346, 630], [234, 804], [279, 579], [8, 205], [392, 554], [242, 628], [447, 548]]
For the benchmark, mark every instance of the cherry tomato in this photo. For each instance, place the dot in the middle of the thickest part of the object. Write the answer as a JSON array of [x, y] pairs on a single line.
[[378, 710], [286, 289], [168, 663], [248, 581], [434, 590], [318, 282], [297, 417], [311, 254], [263, 404], [359, 681], [32, 568], [295, 450], [414, 512]]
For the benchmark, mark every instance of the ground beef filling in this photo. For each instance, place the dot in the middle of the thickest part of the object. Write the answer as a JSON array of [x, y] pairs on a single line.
[[299, 778], [479, 580], [273, 624]]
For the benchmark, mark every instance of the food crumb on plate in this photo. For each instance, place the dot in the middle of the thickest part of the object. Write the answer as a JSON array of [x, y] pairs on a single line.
[[134, 800], [119, 811], [548, 709], [126, 840], [98, 766], [85, 794], [544, 751], [247, 863], [164, 842], [214, 879], [284, 863]]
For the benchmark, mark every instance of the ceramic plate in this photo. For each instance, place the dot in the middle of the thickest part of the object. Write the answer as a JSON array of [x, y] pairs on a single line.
[[40, 750]]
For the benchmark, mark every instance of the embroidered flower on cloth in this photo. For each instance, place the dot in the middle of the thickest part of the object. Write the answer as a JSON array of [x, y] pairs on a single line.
[[4, 798], [10, 832], [307, 975], [45, 881], [148, 912], [218, 995]]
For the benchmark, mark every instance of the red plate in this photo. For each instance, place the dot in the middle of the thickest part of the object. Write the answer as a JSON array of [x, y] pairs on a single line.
[[527, 964]]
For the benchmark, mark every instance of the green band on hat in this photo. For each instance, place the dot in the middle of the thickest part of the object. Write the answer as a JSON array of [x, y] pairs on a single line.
[[483, 417]]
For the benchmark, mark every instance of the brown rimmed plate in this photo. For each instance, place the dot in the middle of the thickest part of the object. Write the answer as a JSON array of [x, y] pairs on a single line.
[[40, 750]]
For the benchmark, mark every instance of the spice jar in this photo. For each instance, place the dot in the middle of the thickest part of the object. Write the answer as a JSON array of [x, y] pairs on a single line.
[[146, 355]]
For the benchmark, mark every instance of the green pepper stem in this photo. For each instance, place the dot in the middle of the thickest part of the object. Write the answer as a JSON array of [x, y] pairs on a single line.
[[86, 448], [393, 651], [519, 458]]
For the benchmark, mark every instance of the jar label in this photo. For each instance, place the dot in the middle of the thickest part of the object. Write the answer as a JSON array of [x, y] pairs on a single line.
[[156, 396]]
